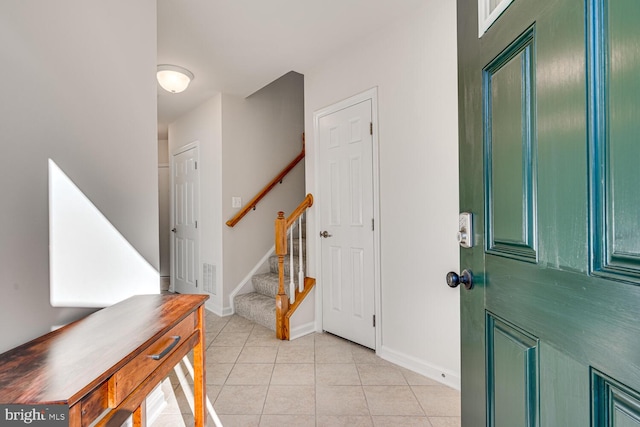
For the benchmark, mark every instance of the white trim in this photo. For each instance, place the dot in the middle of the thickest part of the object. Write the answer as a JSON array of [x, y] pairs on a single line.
[[247, 278], [179, 150], [370, 94], [302, 330], [486, 19], [214, 306], [436, 373]]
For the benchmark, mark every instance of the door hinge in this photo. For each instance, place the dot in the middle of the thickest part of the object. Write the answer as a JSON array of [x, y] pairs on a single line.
[[196, 165], [370, 128], [196, 283], [196, 224], [372, 224], [374, 320]]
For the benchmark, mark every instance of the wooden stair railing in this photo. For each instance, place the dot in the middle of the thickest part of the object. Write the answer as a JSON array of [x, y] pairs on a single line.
[[284, 307], [251, 205]]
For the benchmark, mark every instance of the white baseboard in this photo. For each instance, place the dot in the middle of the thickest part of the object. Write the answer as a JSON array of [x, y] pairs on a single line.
[[216, 308], [302, 330], [436, 373]]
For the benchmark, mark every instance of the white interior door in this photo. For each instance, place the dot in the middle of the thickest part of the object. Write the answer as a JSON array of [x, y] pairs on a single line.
[[186, 236], [346, 215]]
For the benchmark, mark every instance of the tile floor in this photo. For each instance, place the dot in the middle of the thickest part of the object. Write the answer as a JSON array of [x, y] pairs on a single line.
[[253, 379]]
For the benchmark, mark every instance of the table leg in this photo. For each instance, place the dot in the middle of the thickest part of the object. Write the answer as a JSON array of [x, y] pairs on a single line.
[[199, 380], [140, 415]]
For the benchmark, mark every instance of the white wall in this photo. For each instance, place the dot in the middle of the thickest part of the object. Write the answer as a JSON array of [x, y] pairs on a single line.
[[244, 143], [204, 125], [413, 65], [262, 134], [80, 90]]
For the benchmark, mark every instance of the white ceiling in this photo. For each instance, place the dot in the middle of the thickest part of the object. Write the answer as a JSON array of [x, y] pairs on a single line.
[[239, 46]]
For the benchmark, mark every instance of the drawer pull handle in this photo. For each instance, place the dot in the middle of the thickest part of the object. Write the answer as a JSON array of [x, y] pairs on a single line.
[[176, 340]]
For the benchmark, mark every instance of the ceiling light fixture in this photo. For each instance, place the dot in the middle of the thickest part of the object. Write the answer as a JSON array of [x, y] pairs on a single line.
[[173, 79]]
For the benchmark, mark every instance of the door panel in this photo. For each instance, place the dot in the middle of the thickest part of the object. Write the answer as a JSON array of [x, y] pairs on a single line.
[[615, 92], [346, 213], [512, 361], [548, 104], [509, 109]]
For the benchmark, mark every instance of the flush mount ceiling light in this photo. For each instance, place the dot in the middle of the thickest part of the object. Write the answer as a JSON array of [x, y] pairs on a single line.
[[173, 79]]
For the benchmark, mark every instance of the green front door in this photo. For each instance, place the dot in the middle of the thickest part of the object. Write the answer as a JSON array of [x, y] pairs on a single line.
[[549, 113]]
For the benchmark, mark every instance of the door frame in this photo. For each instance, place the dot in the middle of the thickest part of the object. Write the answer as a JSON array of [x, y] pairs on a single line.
[[372, 95], [175, 152]]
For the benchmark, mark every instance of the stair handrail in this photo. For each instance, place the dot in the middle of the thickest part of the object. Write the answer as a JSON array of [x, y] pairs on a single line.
[[251, 205], [283, 308]]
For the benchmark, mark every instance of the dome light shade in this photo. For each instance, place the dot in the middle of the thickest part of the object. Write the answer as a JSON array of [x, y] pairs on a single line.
[[174, 79]]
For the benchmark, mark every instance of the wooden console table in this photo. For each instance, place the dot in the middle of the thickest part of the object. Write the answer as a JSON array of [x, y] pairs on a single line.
[[104, 366]]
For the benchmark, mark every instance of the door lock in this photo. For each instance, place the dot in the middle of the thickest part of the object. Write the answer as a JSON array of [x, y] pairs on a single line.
[[325, 234], [465, 230]]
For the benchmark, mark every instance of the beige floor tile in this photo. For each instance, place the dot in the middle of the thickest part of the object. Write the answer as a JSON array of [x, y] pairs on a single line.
[[295, 354], [438, 401], [366, 356], [239, 324], [320, 380], [258, 355], [392, 400], [333, 354], [396, 421], [223, 354], [217, 373], [287, 420], [344, 421], [445, 421], [413, 378], [229, 339], [337, 374], [263, 337], [250, 374], [340, 400], [305, 340], [380, 375], [294, 374], [240, 420], [241, 399], [290, 400], [322, 339]]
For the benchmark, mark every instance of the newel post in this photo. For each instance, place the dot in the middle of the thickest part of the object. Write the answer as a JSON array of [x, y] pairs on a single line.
[[282, 300]]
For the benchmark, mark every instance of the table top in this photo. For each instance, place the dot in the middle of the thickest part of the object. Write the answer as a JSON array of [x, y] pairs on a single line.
[[64, 365]]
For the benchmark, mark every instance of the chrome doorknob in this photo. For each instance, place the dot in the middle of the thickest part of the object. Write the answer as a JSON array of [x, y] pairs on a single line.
[[466, 278], [325, 234]]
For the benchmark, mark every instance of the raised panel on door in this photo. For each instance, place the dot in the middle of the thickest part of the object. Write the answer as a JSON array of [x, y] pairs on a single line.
[[510, 165], [512, 376], [615, 91]]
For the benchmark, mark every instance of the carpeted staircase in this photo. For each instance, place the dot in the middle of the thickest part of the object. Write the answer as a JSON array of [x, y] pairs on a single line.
[[260, 306]]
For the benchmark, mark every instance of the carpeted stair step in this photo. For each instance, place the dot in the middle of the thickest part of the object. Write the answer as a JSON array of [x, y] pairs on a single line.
[[273, 265], [258, 308], [267, 284]]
